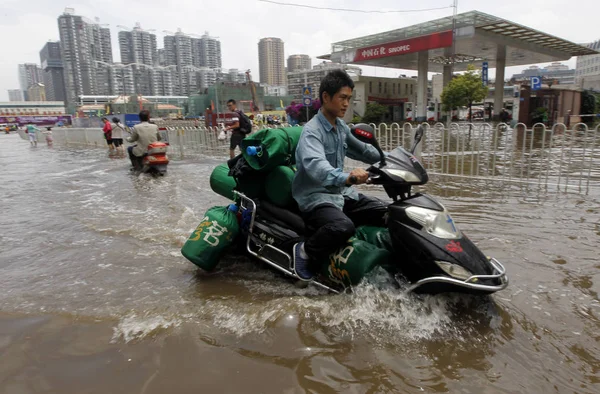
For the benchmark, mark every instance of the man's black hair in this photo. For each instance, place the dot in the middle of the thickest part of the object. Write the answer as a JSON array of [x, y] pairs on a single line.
[[144, 115], [116, 120], [232, 101], [333, 82]]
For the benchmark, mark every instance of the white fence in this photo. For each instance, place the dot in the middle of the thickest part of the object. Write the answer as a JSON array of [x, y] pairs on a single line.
[[549, 157]]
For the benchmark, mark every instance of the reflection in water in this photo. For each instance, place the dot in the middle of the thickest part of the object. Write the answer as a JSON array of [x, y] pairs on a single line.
[[97, 256]]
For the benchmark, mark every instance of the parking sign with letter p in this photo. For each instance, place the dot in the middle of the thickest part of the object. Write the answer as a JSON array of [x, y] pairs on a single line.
[[536, 83]]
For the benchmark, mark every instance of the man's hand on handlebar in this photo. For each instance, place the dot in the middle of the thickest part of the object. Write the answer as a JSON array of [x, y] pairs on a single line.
[[357, 176]]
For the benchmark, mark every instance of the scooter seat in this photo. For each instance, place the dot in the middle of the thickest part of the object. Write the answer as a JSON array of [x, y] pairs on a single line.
[[281, 216]]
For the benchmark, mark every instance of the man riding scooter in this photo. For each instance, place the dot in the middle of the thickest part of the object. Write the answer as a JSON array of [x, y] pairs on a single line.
[[330, 206], [144, 134]]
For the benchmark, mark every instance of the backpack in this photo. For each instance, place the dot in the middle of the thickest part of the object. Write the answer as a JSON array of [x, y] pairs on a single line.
[[245, 123]]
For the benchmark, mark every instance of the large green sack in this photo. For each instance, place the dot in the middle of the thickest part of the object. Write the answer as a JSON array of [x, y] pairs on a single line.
[[278, 186], [277, 147], [215, 233], [351, 262], [378, 236], [221, 183]]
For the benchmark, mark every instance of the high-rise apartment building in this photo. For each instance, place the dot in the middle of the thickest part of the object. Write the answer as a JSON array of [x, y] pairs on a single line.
[[122, 80], [192, 58], [138, 46], [29, 74], [298, 62], [160, 54], [163, 81], [178, 50], [271, 61], [52, 69], [15, 95], [84, 46], [209, 52]]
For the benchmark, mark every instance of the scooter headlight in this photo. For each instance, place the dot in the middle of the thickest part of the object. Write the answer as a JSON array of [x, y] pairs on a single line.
[[455, 271], [436, 223], [406, 175]]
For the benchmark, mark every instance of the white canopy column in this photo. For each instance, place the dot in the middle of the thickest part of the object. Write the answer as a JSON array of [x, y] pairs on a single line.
[[423, 67]]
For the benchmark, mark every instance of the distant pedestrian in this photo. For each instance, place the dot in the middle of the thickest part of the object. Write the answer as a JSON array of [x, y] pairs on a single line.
[[49, 139], [117, 135], [31, 129], [107, 130], [239, 128]]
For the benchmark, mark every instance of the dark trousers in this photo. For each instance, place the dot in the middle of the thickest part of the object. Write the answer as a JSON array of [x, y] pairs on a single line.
[[136, 161], [327, 227]]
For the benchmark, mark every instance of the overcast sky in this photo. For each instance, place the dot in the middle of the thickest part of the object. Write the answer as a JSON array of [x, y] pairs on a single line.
[[239, 24]]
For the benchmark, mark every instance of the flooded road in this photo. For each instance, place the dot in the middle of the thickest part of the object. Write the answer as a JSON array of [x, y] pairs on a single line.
[[95, 296]]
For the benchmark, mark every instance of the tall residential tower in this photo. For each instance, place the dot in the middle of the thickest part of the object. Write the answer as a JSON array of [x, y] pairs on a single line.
[[298, 62], [52, 67], [138, 46], [84, 46], [271, 61], [29, 74]]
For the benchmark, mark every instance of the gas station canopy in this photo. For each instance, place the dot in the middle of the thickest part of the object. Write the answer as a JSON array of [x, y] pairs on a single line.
[[477, 37]]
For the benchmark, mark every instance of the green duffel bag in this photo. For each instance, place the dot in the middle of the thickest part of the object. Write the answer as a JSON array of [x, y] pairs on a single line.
[[278, 186], [378, 236], [221, 183], [215, 233], [273, 147], [351, 262]]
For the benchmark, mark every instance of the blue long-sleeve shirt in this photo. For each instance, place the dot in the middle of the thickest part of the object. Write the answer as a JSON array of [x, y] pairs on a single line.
[[320, 177]]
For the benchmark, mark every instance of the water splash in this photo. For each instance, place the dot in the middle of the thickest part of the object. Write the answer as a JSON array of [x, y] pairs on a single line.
[[135, 328]]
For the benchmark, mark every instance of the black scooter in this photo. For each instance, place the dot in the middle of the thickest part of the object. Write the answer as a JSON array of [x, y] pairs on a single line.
[[430, 251]]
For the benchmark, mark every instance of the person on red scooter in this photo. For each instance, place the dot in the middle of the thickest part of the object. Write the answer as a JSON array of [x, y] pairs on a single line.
[[330, 206], [144, 133]]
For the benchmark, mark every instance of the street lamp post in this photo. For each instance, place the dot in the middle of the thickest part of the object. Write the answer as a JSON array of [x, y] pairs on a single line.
[[217, 95]]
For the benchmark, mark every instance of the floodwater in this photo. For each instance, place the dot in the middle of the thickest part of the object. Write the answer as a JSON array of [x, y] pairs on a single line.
[[95, 296]]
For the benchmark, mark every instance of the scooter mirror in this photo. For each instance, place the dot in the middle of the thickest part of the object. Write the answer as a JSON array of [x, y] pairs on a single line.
[[418, 138], [365, 133]]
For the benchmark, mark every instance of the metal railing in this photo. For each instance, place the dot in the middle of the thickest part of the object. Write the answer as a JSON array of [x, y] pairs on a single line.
[[539, 155], [545, 156]]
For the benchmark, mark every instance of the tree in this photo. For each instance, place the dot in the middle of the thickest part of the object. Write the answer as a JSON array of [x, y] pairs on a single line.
[[374, 113], [464, 90], [588, 103], [588, 106]]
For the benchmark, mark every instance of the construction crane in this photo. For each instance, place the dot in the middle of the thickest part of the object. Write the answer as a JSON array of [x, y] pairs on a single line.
[[253, 92]]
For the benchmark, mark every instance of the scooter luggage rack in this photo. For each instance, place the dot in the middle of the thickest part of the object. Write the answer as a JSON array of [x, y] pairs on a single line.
[[247, 203], [499, 273]]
